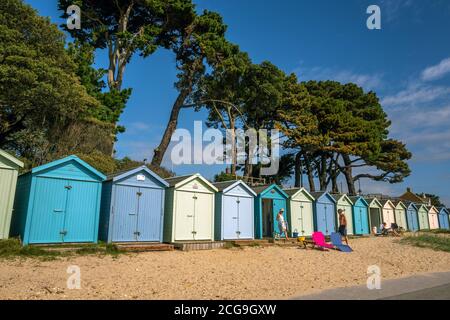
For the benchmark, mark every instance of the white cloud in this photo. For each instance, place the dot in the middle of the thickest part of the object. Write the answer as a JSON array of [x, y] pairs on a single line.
[[437, 71], [415, 95], [364, 80]]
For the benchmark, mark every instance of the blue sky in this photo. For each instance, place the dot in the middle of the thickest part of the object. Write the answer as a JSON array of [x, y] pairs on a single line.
[[407, 63]]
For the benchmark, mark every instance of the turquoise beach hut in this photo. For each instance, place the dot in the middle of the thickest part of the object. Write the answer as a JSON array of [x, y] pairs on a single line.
[[360, 215], [58, 202], [269, 201]]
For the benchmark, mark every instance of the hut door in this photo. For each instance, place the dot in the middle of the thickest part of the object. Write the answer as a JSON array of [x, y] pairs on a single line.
[[412, 220], [358, 220], [230, 217], [149, 214], [267, 217], [47, 220], [125, 212], [184, 220], [277, 206], [245, 218], [375, 218], [203, 223], [80, 217]]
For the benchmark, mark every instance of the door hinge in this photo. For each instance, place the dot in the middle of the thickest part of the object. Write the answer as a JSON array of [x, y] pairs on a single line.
[[63, 232], [139, 194], [195, 197], [68, 187], [194, 232], [137, 233]]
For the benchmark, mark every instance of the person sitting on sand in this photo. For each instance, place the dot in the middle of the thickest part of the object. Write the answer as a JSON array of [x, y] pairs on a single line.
[[384, 229], [395, 229], [343, 225], [282, 223]]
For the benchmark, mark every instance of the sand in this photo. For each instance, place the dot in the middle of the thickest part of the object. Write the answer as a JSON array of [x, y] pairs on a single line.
[[250, 273]]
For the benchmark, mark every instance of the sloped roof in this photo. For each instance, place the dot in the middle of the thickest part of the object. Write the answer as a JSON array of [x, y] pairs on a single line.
[[293, 192], [319, 194], [68, 159], [126, 173], [263, 189], [181, 180], [356, 198], [228, 185], [338, 197], [13, 160]]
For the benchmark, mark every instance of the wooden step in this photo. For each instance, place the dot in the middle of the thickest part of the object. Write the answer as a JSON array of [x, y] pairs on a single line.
[[200, 245], [249, 243], [144, 247]]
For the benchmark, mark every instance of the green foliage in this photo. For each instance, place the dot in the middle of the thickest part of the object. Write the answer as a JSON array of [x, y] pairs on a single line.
[[223, 177], [435, 200], [40, 94], [12, 248], [437, 243], [112, 102]]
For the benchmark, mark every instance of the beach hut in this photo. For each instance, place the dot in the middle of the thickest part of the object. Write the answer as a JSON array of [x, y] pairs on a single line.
[[444, 219], [58, 202], [300, 211], [234, 212], [400, 214], [345, 203], [360, 215], [324, 212], [422, 213], [9, 168], [375, 209], [412, 216], [388, 212], [269, 201], [433, 217], [132, 207], [189, 209]]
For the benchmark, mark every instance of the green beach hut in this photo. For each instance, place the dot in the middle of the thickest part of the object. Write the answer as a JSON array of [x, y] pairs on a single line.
[[422, 212], [9, 169]]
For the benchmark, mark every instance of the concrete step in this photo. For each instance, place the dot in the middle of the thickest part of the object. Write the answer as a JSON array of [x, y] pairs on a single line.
[[144, 247], [198, 245]]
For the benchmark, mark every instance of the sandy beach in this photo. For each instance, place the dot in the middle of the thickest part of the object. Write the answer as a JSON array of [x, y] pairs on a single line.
[[250, 273]]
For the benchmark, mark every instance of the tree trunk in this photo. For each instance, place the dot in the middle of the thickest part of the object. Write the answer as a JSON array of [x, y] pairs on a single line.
[[298, 170], [349, 175], [323, 173], [310, 173], [170, 129], [233, 146]]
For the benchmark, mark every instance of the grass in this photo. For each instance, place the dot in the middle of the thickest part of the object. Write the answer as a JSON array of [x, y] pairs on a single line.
[[428, 241], [12, 248]]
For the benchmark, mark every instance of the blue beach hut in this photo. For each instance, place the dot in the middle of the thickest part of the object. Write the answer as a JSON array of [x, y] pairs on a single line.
[[360, 215], [412, 216], [235, 213], [269, 201], [58, 202], [133, 207], [324, 212], [444, 218]]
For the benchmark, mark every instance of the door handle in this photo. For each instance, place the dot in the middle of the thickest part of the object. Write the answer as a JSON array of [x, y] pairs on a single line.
[[235, 218], [190, 216], [58, 210], [68, 187]]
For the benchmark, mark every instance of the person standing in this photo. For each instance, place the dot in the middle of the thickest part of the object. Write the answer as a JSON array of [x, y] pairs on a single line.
[[282, 223], [343, 224]]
